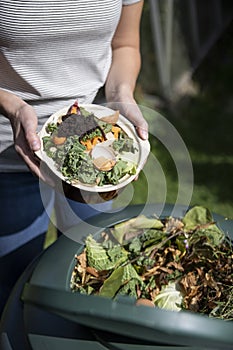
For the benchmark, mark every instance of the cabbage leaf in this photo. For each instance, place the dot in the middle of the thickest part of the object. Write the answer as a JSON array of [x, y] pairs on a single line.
[[169, 297]]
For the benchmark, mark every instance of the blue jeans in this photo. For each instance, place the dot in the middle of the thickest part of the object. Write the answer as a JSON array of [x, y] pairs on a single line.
[[25, 210]]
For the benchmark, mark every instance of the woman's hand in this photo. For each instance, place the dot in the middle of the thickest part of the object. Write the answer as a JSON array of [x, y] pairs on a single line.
[[129, 109], [24, 125], [134, 114], [24, 121]]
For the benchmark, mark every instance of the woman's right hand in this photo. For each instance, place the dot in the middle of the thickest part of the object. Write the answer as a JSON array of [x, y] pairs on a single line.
[[24, 123], [24, 126]]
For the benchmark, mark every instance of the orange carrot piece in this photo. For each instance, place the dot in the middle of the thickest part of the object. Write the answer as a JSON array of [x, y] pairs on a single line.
[[87, 144], [58, 140], [116, 130], [97, 139]]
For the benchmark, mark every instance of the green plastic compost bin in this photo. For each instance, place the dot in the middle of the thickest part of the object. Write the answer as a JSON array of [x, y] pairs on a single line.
[[115, 324]]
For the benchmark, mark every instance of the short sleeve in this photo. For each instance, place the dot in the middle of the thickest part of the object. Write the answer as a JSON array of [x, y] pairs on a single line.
[[129, 2]]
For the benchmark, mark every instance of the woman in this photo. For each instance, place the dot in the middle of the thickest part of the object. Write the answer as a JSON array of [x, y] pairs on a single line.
[[52, 53]]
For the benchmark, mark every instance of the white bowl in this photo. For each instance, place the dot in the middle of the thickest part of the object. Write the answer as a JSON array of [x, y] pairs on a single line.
[[139, 157]]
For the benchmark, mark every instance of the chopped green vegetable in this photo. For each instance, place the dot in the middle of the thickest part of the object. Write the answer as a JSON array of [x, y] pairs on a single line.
[[51, 127], [124, 145]]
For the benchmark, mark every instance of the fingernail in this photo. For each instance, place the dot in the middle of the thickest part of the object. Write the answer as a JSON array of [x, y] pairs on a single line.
[[35, 145], [144, 134]]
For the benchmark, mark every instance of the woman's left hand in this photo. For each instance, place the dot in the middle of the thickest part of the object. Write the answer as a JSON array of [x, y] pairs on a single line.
[[130, 109]]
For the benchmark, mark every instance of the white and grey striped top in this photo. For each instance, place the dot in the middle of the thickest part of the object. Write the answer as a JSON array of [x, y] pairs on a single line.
[[53, 52]]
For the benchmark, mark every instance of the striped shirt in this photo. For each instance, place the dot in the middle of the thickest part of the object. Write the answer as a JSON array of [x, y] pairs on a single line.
[[53, 52]]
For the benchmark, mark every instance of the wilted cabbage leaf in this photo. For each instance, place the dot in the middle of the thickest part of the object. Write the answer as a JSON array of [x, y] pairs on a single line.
[[196, 216], [120, 277], [101, 258], [200, 219], [169, 297], [213, 234], [127, 230]]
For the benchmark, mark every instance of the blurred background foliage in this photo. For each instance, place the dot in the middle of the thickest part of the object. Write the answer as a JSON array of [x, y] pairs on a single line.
[[201, 112]]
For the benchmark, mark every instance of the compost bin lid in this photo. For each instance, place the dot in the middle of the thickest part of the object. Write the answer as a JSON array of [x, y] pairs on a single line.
[[49, 289]]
